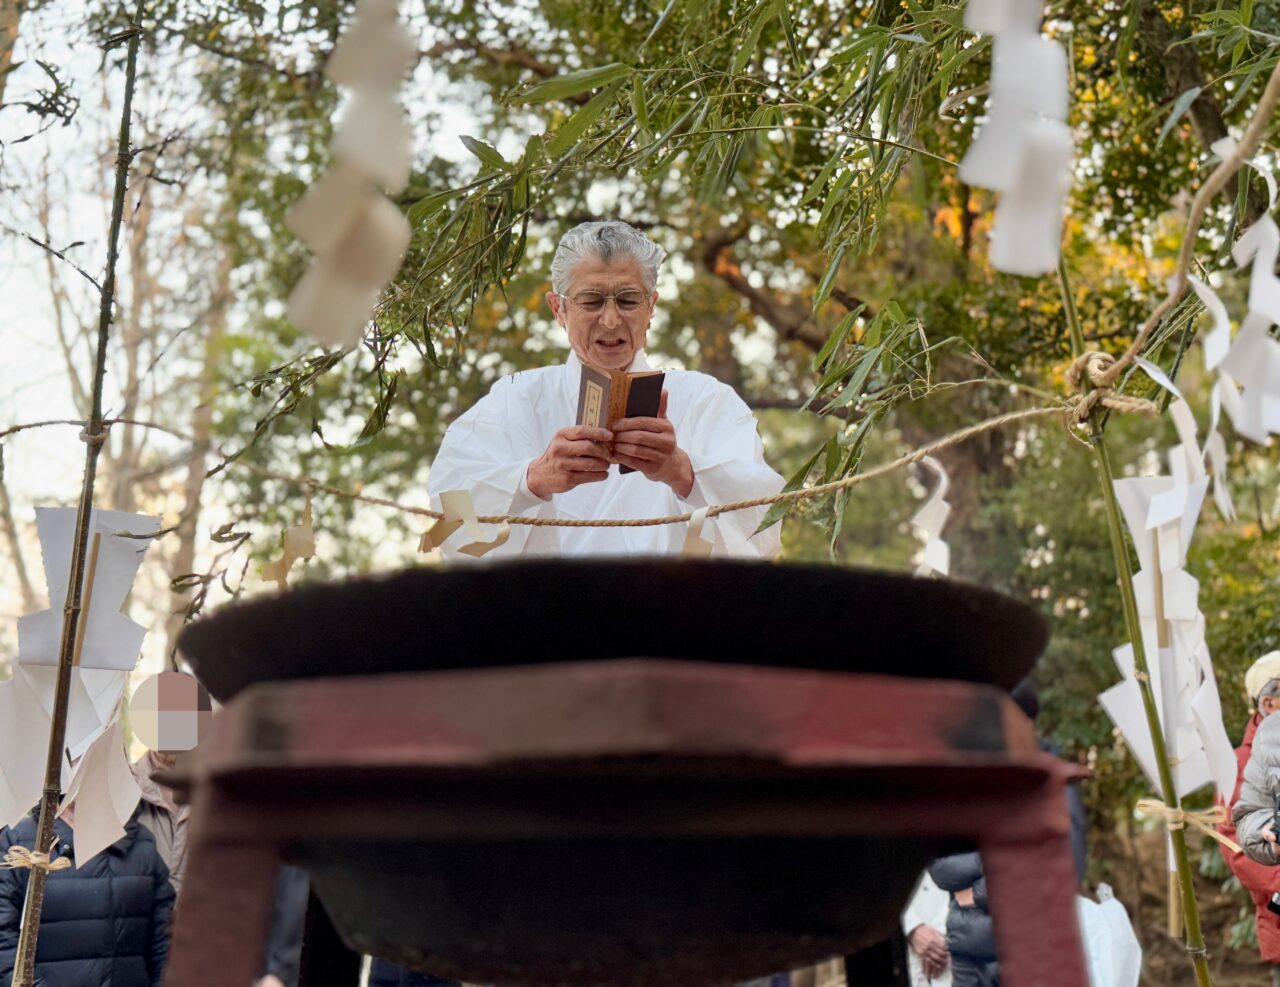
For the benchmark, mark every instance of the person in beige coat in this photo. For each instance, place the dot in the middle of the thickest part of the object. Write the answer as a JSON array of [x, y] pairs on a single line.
[[163, 818]]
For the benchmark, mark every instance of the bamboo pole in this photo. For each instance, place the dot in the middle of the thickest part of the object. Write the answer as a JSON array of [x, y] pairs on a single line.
[[1195, 945], [94, 436]]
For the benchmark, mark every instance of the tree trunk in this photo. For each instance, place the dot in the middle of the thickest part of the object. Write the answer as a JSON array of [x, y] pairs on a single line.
[[201, 430], [10, 13], [15, 544]]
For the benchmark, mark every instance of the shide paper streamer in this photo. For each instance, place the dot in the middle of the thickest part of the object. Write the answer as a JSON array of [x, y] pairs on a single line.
[[929, 522], [695, 546], [460, 511], [358, 235], [1161, 513], [1025, 149], [298, 542], [95, 770]]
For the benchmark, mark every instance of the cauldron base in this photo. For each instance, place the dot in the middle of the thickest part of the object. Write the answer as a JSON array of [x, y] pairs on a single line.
[[625, 822], [630, 913]]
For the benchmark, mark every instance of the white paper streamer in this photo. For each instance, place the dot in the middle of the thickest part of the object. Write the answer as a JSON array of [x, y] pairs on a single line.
[[26, 713], [459, 511], [111, 639], [359, 237], [929, 522], [1004, 16], [1025, 149], [1161, 513], [695, 546]]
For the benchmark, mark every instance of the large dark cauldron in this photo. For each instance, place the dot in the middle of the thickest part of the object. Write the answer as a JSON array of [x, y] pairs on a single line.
[[708, 856]]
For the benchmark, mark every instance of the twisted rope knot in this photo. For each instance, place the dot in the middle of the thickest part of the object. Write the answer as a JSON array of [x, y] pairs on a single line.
[[1176, 819], [19, 857], [1100, 371], [95, 440]]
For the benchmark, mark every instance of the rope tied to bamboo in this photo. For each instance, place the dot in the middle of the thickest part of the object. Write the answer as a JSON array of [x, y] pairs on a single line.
[[21, 858], [1176, 818], [1098, 371], [95, 438]]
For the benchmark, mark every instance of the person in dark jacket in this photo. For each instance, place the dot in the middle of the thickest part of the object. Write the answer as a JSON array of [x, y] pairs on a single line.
[[970, 936], [105, 923], [387, 974], [282, 961]]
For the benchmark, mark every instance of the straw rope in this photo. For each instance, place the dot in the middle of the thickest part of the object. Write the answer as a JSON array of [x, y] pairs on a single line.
[[1175, 819]]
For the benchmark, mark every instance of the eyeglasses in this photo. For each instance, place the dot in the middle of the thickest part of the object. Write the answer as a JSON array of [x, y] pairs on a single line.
[[628, 301]]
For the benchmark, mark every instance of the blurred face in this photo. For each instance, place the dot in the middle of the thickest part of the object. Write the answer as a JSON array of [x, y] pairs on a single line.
[[606, 312]]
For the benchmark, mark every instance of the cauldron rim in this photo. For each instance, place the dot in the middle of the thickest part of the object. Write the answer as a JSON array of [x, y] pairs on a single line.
[[426, 618]]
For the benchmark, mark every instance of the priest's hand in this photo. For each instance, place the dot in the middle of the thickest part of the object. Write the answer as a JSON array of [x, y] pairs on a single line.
[[577, 454], [648, 445]]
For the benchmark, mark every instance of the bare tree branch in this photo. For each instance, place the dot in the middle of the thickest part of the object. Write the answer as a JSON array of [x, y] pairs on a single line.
[[789, 322], [15, 544], [57, 253]]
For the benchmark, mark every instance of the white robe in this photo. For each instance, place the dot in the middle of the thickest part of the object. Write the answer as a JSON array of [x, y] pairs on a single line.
[[488, 450]]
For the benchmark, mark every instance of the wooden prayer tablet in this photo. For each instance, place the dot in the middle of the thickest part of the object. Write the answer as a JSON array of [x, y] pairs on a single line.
[[555, 610], [605, 396]]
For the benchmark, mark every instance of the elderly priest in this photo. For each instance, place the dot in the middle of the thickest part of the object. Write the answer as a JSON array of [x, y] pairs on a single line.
[[519, 451]]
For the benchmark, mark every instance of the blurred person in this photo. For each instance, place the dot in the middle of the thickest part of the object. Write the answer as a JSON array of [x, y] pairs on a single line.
[[160, 813], [105, 923], [1258, 876], [970, 933], [924, 923]]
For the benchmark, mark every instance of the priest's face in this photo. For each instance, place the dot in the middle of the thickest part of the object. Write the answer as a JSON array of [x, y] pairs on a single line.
[[606, 312]]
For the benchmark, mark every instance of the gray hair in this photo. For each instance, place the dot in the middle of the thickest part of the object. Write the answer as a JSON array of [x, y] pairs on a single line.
[[1269, 691], [605, 241]]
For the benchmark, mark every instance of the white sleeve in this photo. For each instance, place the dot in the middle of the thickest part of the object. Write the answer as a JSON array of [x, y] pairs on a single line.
[[728, 462], [487, 451], [928, 906]]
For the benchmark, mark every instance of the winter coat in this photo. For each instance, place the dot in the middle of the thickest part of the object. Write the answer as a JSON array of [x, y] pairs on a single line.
[[105, 923], [164, 819], [970, 934], [1260, 880], [1255, 805], [971, 939]]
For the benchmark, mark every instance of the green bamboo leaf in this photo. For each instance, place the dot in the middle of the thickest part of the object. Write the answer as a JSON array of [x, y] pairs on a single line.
[[752, 42], [851, 393], [640, 106], [835, 197], [778, 511], [1179, 109], [1124, 45], [487, 153], [573, 83], [428, 205], [789, 28], [577, 125], [838, 335], [667, 11], [819, 183], [828, 280]]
